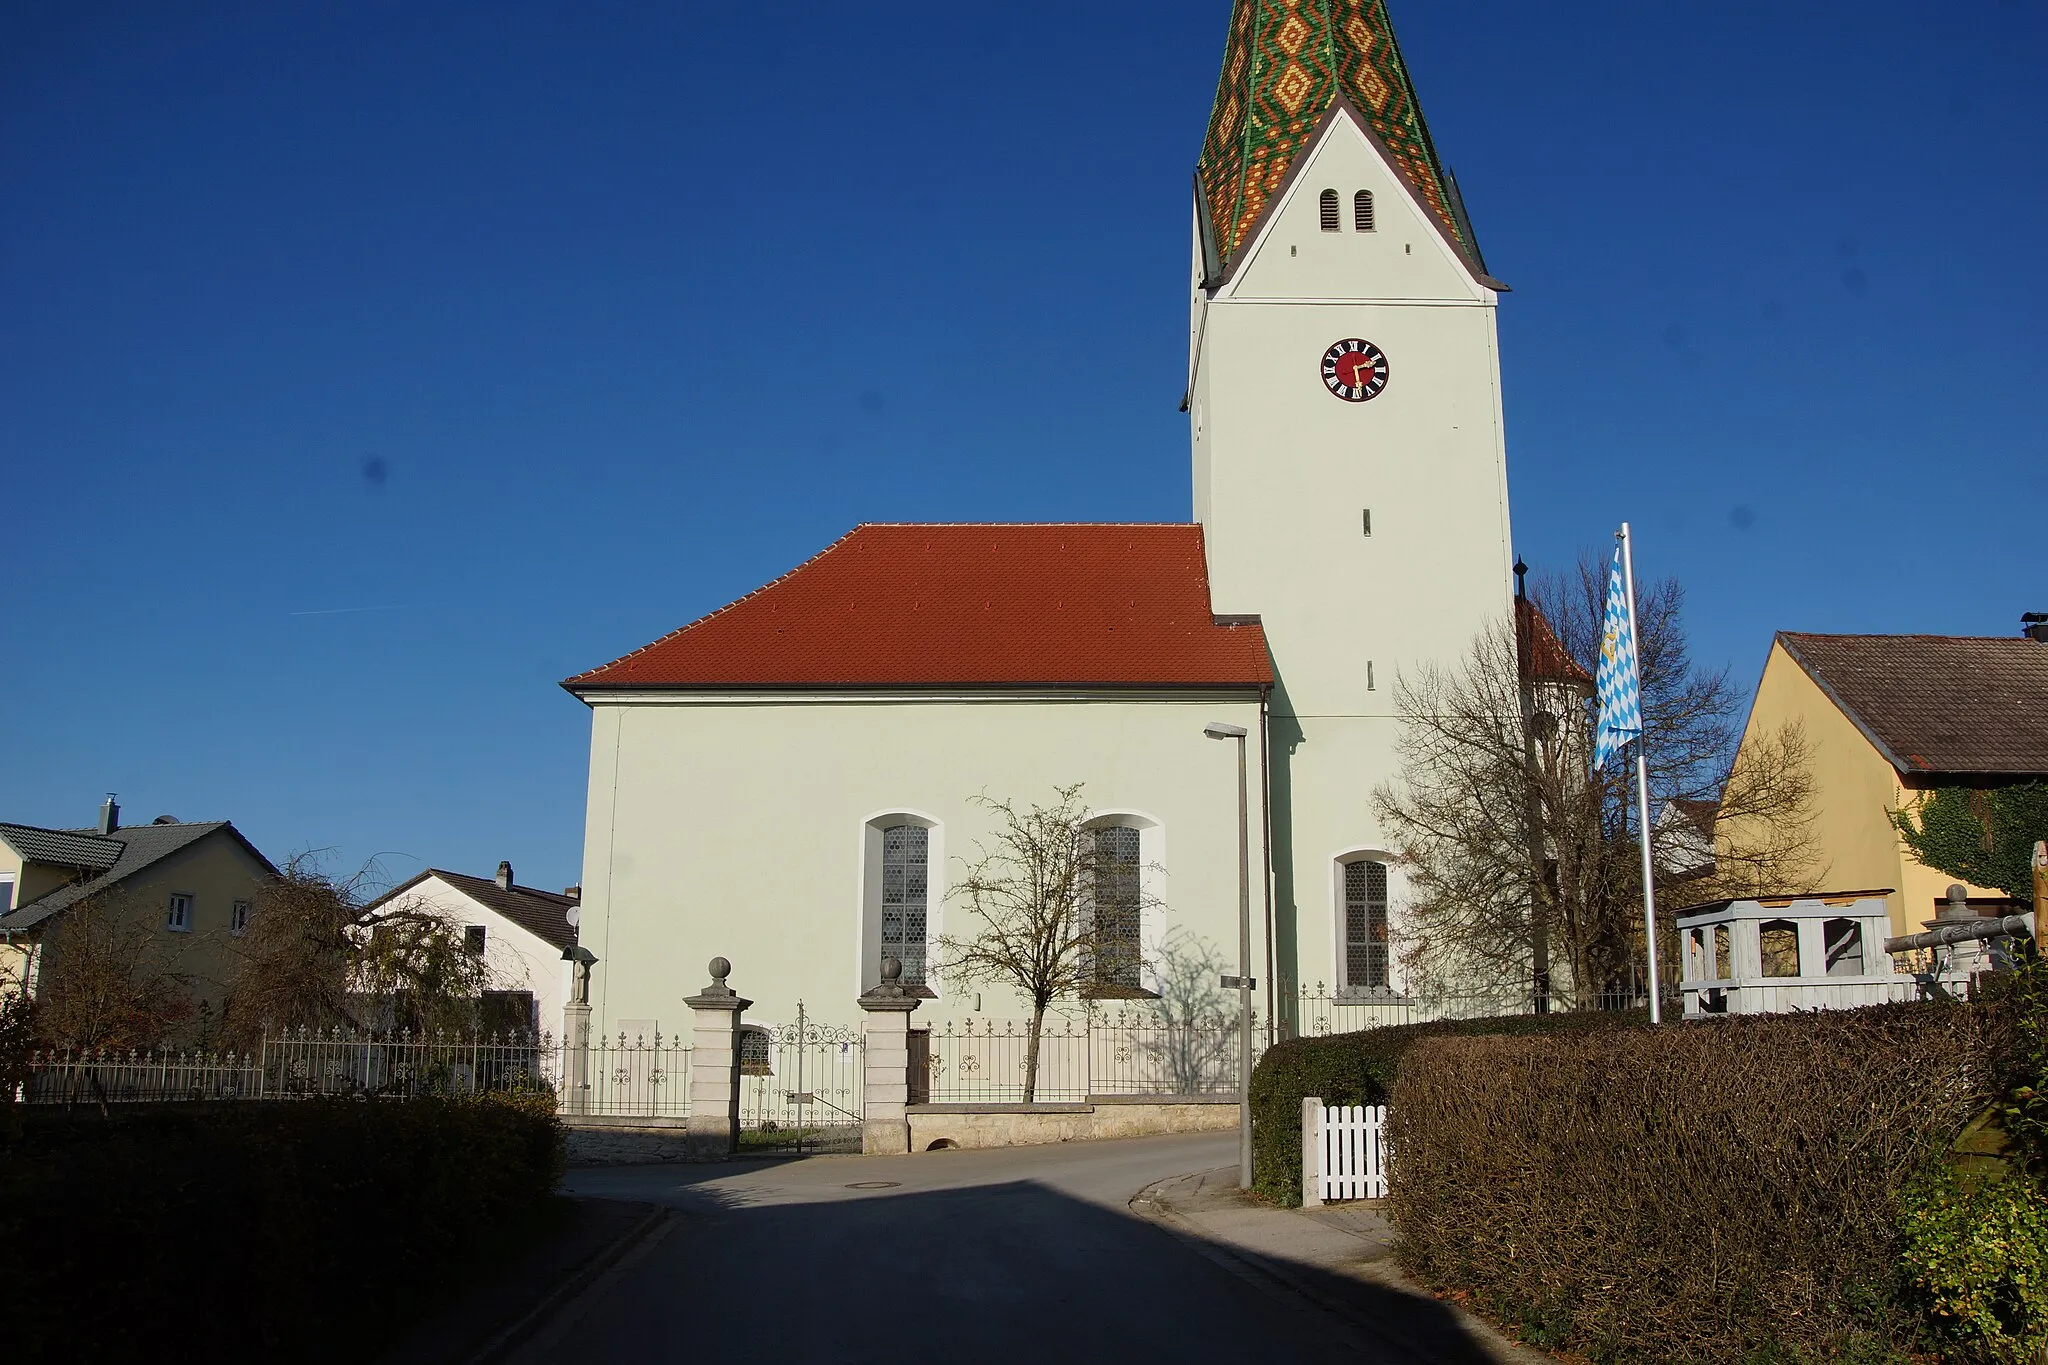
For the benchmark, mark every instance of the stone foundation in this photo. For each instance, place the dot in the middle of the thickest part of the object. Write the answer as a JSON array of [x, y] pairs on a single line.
[[628, 1142], [1103, 1116]]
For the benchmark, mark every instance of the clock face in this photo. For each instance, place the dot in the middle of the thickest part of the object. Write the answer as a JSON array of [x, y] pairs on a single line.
[[1355, 370]]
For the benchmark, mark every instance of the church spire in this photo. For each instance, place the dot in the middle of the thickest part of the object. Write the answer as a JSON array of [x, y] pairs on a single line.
[[1285, 64]]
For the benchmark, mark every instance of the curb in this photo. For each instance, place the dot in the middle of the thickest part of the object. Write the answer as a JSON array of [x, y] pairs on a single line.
[[516, 1333], [1153, 1203]]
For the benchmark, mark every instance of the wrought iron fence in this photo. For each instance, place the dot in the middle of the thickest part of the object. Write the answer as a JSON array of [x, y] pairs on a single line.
[[1128, 1052], [637, 1075], [1319, 1010], [298, 1064]]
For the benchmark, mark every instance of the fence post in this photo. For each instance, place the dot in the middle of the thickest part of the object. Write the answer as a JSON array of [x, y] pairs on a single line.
[[1311, 1151], [576, 1056], [714, 1129], [885, 1064]]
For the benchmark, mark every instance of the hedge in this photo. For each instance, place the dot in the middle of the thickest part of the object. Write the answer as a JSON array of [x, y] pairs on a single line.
[[1360, 1068], [287, 1230], [1712, 1191]]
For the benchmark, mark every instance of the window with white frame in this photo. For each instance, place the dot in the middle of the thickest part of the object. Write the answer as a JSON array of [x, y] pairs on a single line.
[[1843, 941], [1116, 868], [473, 936], [179, 917], [238, 918], [1366, 942], [6, 894], [906, 890]]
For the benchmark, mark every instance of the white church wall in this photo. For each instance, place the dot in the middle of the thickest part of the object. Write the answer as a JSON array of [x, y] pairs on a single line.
[[740, 828], [1285, 473]]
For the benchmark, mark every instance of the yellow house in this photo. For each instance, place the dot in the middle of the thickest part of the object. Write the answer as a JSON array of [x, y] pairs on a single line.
[[193, 884], [1888, 717]]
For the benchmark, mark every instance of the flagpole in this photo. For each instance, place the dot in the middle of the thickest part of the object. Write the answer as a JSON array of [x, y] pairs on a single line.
[[1628, 579]]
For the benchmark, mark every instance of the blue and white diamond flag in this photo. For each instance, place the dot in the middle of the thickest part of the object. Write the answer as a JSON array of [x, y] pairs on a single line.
[[1616, 686]]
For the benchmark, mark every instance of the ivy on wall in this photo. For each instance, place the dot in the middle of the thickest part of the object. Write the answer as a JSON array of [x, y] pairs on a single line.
[[1984, 836]]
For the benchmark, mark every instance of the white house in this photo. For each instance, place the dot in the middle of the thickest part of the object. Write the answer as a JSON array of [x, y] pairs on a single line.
[[521, 932], [790, 781]]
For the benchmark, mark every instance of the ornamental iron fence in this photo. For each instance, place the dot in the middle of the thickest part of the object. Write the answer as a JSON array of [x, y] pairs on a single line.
[[1098, 1053], [802, 1086]]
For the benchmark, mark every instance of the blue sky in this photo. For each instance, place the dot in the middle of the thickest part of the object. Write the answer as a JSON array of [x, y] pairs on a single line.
[[365, 369]]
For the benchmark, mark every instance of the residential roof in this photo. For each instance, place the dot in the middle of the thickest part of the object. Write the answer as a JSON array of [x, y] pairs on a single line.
[[967, 605], [541, 913], [1967, 705], [138, 848], [61, 846], [1286, 64], [1540, 655]]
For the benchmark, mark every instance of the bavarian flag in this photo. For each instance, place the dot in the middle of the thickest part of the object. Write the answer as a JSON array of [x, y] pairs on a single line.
[[1616, 685]]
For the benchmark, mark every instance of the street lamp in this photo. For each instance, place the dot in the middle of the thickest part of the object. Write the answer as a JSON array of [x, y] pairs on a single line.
[[1216, 729]]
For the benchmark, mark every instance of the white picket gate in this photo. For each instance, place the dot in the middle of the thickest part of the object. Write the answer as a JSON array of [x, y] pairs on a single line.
[[1343, 1151]]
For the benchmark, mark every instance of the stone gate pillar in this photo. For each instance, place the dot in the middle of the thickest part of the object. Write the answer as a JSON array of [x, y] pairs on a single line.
[[885, 1063], [715, 1066]]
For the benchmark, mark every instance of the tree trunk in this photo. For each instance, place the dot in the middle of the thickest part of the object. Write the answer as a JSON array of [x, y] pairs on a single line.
[[1031, 1052]]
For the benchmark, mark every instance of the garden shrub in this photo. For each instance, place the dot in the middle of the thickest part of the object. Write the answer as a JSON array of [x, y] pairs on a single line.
[[1974, 1265], [308, 1229], [1707, 1191], [1360, 1068]]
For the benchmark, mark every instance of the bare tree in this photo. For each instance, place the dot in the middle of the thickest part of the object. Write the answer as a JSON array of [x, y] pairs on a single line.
[[107, 980], [1033, 884], [313, 958], [1520, 858]]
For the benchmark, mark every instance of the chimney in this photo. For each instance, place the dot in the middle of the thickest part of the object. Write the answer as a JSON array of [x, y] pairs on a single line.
[[504, 876], [110, 815], [574, 893], [2034, 625]]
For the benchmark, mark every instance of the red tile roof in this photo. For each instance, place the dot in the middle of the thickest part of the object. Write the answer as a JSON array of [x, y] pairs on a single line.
[[1541, 656], [976, 605]]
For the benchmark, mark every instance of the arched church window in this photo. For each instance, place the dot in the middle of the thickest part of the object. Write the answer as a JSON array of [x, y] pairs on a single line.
[[1366, 943], [1361, 211], [906, 855], [1115, 870], [1330, 223]]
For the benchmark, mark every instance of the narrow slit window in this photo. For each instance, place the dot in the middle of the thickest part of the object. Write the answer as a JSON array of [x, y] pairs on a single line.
[[1330, 221], [905, 877], [1119, 906], [1361, 211], [1365, 925]]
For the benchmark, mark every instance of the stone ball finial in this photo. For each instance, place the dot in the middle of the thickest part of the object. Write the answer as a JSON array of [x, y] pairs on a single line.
[[891, 969], [720, 970]]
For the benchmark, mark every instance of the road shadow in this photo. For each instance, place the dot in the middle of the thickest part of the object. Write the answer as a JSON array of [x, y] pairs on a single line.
[[1006, 1272]]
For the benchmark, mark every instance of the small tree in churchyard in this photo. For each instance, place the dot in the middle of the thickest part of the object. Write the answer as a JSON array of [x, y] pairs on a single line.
[[1035, 885]]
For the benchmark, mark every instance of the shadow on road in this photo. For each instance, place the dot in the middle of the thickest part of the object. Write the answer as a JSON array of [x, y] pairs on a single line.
[[1014, 1271]]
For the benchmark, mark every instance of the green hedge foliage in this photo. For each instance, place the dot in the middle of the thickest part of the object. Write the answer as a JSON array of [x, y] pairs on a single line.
[[1360, 1068], [288, 1230], [1704, 1192]]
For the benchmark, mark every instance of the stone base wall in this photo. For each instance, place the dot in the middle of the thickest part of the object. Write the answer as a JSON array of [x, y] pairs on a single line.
[[935, 1126], [628, 1142]]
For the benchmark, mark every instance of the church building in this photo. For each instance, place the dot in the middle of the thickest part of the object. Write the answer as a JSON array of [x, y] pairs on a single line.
[[791, 781]]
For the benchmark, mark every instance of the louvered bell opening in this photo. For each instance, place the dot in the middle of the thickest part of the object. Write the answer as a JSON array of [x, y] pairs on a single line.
[[1330, 223], [1361, 211]]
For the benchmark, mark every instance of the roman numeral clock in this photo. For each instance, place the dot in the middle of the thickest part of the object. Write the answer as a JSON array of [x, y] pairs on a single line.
[[1355, 370]]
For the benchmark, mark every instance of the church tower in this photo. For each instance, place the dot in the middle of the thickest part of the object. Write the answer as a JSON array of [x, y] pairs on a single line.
[[1349, 460]]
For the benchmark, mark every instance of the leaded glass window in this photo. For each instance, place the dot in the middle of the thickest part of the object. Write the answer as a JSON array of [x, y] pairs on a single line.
[[1118, 906], [905, 881], [1365, 925]]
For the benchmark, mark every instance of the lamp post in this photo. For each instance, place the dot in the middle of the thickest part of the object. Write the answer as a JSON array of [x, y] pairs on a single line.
[[1244, 982]]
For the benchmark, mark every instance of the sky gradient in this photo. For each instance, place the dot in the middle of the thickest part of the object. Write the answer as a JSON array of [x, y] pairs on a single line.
[[366, 369]]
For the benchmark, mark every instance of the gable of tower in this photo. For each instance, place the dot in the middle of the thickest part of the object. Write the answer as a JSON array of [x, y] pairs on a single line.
[[1347, 225], [1285, 63]]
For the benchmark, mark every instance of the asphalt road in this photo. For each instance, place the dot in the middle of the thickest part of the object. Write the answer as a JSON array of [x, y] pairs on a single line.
[[1025, 1254]]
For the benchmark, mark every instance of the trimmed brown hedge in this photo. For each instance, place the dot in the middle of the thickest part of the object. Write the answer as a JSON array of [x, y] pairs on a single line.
[[1707, 1191], [1360, 1068], [286, 1230]]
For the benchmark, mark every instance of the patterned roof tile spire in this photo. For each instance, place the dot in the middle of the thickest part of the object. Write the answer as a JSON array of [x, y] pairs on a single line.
[[1284, 64]]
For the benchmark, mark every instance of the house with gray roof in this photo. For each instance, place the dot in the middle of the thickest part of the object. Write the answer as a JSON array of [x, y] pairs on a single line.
[[522, 933], [193, 883]]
